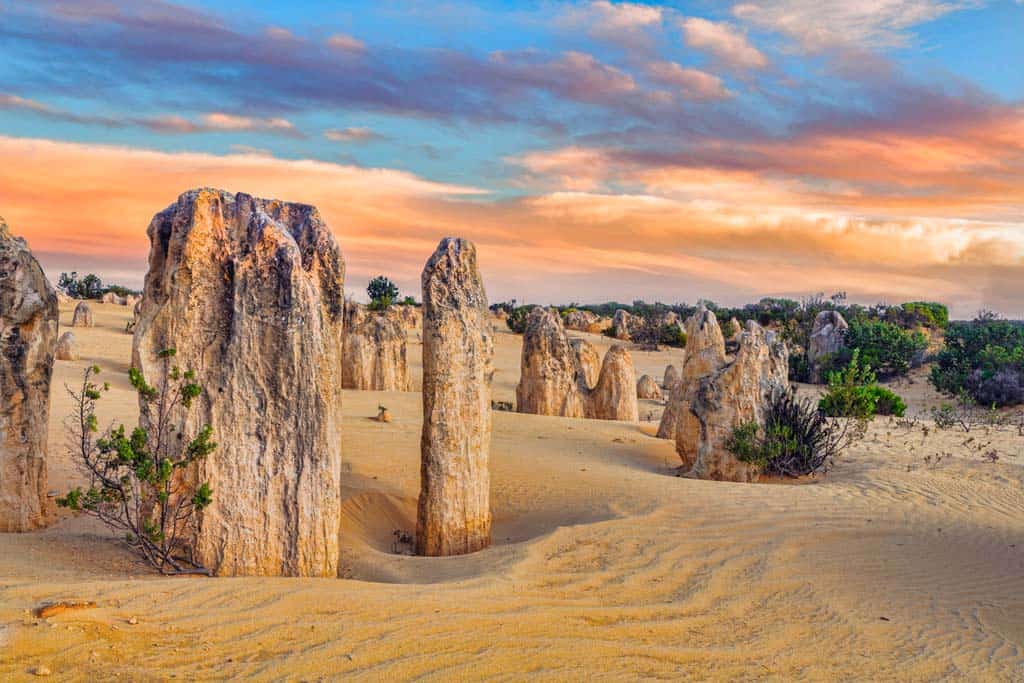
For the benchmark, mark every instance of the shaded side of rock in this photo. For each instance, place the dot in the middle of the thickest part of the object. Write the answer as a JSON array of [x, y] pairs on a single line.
[[454, 515], [374, 354], [82, 316], [588, 361], [828, 337], [28, 335]]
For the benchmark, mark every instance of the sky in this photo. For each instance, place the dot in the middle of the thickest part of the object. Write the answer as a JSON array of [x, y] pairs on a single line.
[[592, 150]]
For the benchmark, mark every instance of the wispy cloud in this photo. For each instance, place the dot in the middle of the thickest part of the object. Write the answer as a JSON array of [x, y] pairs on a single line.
[[724, 42], [691, 83], [818, 25], [353, 134]]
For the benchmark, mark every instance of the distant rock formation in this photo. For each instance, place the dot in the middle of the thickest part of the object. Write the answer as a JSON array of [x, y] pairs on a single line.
[[588, 361], [66, 347], [411, 316], [828, 336], [82, 316], [548, 382], [705, 353], [580, 320], [622, 324], [558, 376], [736, 393], [28, 335], [374, 353], [671, 378], [647, 388], [614, 397], [454, 514], [250, 293], [112, 298]]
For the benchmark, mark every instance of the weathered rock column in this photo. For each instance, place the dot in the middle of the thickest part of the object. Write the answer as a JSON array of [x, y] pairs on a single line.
[[614, 397], [548, 381], [28, 336], [374, 354], [250, 293], [454, 514]]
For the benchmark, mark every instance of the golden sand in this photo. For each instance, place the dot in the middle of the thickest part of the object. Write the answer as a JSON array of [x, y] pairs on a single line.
[[604, 566]]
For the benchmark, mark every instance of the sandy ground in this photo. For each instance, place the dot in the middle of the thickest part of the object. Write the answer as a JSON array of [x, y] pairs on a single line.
[[604, 564]]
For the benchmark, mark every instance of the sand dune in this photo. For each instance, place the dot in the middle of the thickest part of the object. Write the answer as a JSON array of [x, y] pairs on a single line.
[[604, 564]]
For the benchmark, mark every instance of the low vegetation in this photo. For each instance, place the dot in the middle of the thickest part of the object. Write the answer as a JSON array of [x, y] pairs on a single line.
[[139, 483], [382, 292], [854, 392], [984, 359], [797, 438], [89, 286]]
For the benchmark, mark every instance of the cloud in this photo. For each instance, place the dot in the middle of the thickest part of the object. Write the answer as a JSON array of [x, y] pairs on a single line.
[[623, 23], [353, 134], [724, 42], [692, 83], [818, 25], [346, 43], [733, 247]]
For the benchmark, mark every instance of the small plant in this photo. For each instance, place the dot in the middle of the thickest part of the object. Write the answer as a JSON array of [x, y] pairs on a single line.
[[138, 481], [849, 393], [382, 292], [962, 413], [888, 402], [797, 438]]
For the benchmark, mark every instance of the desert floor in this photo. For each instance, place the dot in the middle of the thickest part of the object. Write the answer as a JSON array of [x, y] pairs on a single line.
[[605, 565]]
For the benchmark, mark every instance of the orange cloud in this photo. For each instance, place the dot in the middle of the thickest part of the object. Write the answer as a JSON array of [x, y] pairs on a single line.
[[83, 205]]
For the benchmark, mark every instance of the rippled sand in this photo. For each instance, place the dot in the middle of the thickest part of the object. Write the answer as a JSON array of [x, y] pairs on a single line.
[[604, 566]]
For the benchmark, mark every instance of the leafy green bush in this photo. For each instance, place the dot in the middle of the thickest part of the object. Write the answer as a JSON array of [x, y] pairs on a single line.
[[797, 438], [516, 318], [886, 347], [382, 292], [927, 313], [137, 481], [854, 392], [985, 359], [887, 402]]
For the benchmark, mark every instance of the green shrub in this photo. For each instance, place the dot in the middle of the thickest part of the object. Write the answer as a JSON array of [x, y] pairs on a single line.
[[888, 402], [985, 359], [854, 392], [797, 438], [886, 347], [140, 483], [927, 313], [516, 318], [382, 292]]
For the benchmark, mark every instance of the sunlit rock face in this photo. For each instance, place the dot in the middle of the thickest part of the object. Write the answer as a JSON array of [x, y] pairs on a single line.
[[82, 316], [250, 293], [28, 337], [614, 397], [735, 393], [588, 361], [454, 514], [647, 388], [705, 353]]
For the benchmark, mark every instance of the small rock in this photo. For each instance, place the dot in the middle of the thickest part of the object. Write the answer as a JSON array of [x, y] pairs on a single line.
[[41, 670], [133, 621], [384, 415]]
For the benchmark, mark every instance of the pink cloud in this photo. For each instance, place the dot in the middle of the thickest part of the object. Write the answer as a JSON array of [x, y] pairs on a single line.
[[691, 83], [724, 42]]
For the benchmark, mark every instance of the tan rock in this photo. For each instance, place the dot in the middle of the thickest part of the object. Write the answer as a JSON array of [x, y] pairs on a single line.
[[828, 337], [112, 298], [548, 382], [705, 353], [374, 353], [383, 414], [622, 324], [671, 378], [250, 293], [647, 388], [614, 397], [580, 320], [588, 361], [66, 347], [28, 335], [454, 514], [735, 394], [82, 316], [412, 316]]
